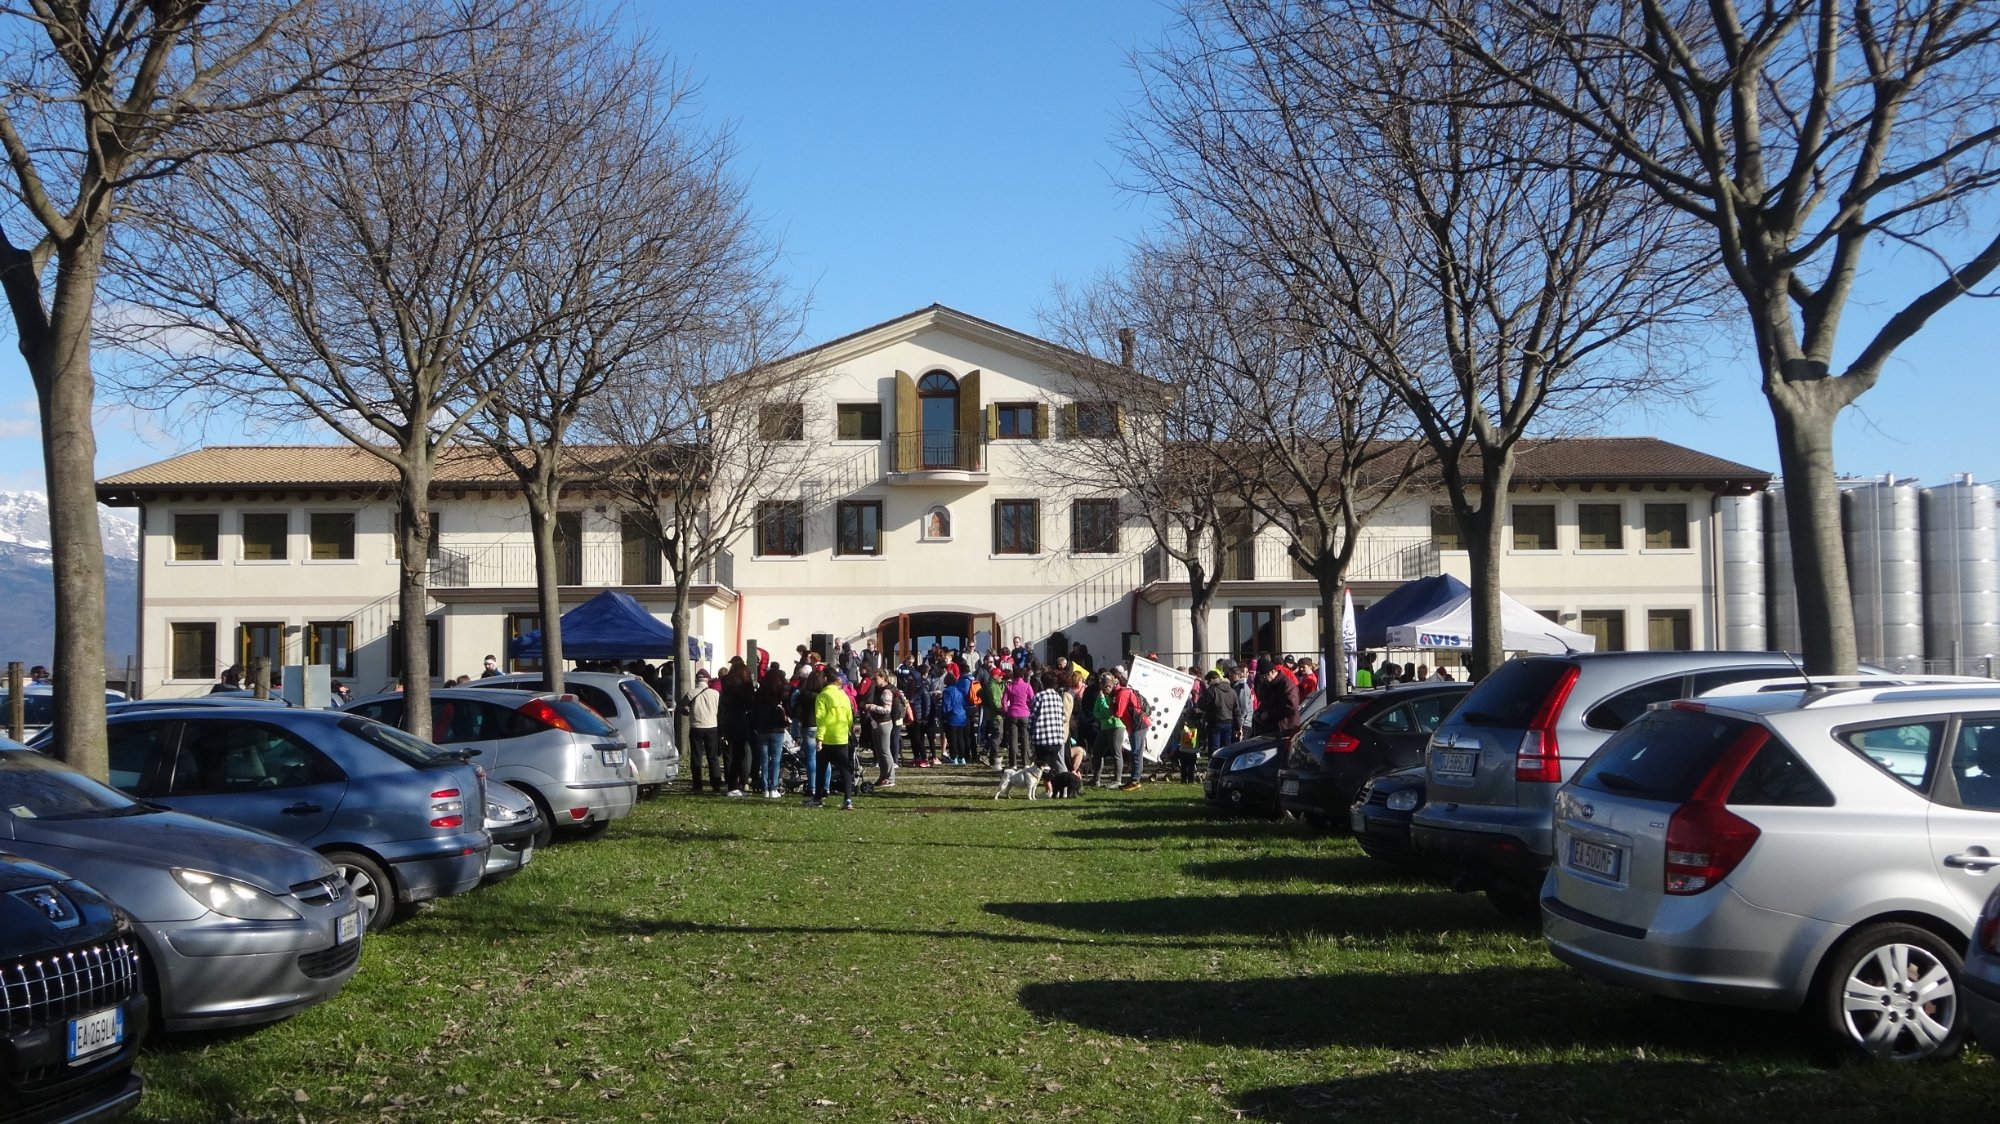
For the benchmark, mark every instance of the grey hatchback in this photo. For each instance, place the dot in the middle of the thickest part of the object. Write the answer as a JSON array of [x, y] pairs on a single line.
[[400, 818], [1494, 765]]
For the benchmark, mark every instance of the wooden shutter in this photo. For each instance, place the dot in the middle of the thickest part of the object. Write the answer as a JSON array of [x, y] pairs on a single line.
[[1068, 420], [967, 423], [1118, 419], [992, 422], [908, 425], [1041, 421]]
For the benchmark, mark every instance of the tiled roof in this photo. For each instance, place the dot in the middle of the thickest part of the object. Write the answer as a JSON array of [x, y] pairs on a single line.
[[316, 466], [1557, 460]]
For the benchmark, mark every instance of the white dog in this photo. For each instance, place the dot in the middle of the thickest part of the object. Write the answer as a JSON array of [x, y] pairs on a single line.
[[1029, 778]]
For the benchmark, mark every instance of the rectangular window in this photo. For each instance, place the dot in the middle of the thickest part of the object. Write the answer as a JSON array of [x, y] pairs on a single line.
[[858, 421], [1607, 626], [785, 422], [1014, 419], [1669, 630], [396, 535], [1239, 545], [1666, 526], [639, 563], [331, 643], [266, 536], [859, 526], [260, 639], [1096, 419], [1016, 527], [1534, 526], [519, 625], [433, 636], [1093, 527], [192, 649], [332, 535], [1253, 630], [781, 528], [196, 535], [1600, 526], [1444, 529], [569, 547]]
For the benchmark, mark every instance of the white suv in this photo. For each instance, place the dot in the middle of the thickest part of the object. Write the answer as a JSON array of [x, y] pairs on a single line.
[[626, 701], [1822, 849]]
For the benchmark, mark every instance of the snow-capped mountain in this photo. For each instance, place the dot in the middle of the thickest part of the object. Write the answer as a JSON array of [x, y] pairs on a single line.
[[27, 579]]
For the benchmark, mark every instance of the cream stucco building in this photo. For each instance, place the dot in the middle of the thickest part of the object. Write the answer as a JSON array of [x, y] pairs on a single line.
[[924, 509]]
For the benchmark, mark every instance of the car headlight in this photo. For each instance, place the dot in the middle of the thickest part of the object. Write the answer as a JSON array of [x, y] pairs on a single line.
[[1403, 800], [232, 898], [1253, 759], [500, 813]]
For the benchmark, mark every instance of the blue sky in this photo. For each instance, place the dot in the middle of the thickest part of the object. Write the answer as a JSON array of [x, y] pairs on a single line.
[[907, 153]]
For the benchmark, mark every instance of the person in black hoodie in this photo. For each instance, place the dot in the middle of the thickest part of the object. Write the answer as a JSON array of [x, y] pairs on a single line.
[[739, 693], [770, 720]]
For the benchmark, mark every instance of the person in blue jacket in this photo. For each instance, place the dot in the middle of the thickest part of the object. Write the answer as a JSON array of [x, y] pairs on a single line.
[[956, 705]]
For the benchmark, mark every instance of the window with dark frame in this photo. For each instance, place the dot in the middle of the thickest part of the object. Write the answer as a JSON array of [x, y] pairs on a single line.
[[1014, 420], [519, 625], [858, 525], [332, 535], [1534, 526], [1600, 526], [1666, 526], [1093, 527], [191, 649], [197, 535], [266, 536], [858, 421], [264, 639], [331, 643], [785, 422], [781, 528], [1016, 527], [1253, 630], [1606, 626], [1444, 529], [433, 638], [1096, 419]]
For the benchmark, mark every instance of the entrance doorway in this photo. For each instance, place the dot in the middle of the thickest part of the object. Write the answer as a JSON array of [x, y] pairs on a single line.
[[910, 635]]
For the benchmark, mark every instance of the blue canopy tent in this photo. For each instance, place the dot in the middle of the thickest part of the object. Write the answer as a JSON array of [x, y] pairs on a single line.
[[1411, 601], [609, 626]]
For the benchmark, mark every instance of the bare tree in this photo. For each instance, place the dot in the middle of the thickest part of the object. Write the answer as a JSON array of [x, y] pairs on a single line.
[[657, 243], [692, 435], [96, 99], [1799, 135], [1470, 259], [373, 276]]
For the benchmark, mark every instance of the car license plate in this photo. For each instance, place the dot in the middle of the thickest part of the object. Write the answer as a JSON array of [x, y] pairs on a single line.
[[1592, 858], [1448, 763], [527, 852], [611, 757], [1359, 822], [95, 1033], [1288, 788], [348, 929]]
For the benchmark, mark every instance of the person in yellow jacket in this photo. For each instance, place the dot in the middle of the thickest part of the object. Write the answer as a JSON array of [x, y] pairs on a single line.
[[833, 713]]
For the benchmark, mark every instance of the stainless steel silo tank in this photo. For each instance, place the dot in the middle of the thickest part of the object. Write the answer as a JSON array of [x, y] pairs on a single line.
[[1743, 573], [1961, 544], [1885, 572], [1781, 598]]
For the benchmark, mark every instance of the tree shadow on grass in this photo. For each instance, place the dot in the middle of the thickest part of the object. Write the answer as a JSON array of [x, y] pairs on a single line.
[[1631, 1090], [1333, 870], [1197, 811], [1217, 827], [1258, 915], [1547, 1007]]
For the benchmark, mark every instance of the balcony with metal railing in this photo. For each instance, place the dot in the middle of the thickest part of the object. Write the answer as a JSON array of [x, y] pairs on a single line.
[[1392, 558], [936, 457], [512, 565]]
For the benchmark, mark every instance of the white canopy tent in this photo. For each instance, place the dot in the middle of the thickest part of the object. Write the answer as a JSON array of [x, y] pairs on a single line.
[[1522, 629]]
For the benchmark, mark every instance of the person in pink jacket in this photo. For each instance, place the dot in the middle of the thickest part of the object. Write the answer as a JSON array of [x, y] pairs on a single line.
[[1015, 705]]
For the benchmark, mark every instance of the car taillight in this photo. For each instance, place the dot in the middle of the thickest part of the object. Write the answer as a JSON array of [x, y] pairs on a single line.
[[1337, 742], [645, 745], [540, 711], [1705, 840], [1540, 759], [1987, 936], [445, 808]]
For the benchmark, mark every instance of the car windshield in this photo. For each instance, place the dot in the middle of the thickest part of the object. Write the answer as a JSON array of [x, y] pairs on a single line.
[[1509, 698], [1661, 756], [33, 787], [403, 746], [645, 701]]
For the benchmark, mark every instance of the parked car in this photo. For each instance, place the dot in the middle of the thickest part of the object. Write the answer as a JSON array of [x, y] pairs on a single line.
[[1356, 737], [235, 926], [553, 748], [388, 810], [72, 1003], [1493, 767], [1982, 975], [38, 707], [1243, 776], [513, 823], [1824, 850], [643, 720], [1380, 815]]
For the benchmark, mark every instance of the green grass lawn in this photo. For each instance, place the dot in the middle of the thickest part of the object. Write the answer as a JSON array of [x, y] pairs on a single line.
[[935, 955]]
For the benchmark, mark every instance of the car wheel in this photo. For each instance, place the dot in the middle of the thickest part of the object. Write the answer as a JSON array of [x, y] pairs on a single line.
[[1890, 993], [371, 887], [546, 833], [595, 829]]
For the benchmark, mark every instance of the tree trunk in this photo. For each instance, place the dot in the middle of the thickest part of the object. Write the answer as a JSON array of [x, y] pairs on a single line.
[[683, 668], [413, 596], [1804, 417], [1482, 527], [56, 346], [1330, 650], [548, 590], [1201, 595]]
